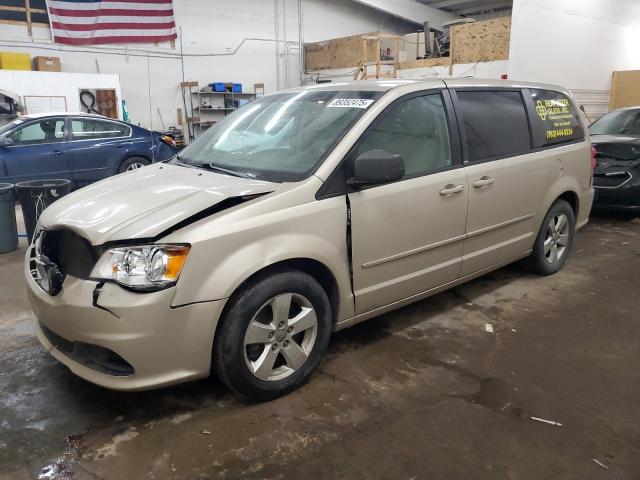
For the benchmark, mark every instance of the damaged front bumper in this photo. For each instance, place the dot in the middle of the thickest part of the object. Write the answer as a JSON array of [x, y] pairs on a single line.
[[124, 340]]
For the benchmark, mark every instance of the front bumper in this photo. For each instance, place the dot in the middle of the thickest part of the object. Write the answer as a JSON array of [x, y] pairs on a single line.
[[625, 197], [163, 344]]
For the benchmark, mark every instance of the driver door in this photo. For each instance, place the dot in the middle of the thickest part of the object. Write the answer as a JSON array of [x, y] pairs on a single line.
[[407, 236]]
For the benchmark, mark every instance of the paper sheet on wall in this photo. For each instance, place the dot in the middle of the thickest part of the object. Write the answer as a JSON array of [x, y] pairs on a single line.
[[45, 104]]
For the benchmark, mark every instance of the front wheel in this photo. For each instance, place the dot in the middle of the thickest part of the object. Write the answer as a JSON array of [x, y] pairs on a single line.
[[553, 243], [133, 163], [273, 335]]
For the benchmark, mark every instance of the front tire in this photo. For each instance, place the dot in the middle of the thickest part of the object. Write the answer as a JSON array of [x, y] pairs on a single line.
[[273, 334], [133, 163], [554, 240]]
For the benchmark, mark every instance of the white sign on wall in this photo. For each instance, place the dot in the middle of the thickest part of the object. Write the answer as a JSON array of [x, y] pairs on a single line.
[[42, 104]]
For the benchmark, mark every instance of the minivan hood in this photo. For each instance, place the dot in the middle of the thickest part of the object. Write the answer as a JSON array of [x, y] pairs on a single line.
[[145, 202]]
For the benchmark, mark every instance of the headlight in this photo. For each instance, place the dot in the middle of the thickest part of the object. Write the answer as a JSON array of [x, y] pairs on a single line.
[[144, 267]]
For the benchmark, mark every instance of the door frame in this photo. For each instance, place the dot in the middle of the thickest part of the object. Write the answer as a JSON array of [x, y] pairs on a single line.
[[336, 183], [463, 134]]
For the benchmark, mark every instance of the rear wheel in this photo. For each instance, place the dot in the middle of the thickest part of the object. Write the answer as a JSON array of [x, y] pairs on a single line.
[[553, 243], [133, 163], [273, 335]]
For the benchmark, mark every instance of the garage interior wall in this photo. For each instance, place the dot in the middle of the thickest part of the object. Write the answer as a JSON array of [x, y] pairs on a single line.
[[150, 83], [576, 44]]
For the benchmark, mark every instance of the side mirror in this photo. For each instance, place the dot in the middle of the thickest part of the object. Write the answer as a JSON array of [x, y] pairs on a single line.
[[377, 166], [6, 142]]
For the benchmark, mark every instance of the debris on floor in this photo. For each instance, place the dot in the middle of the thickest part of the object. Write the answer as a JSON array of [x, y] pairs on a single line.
[[488, 328], [600, 464], [549, 422]]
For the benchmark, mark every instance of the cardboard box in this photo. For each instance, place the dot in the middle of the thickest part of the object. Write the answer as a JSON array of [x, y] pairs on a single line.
[[47, 64], [15, 61]]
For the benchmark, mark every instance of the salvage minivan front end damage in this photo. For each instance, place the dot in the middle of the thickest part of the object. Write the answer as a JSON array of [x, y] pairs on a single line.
[[103, 284]]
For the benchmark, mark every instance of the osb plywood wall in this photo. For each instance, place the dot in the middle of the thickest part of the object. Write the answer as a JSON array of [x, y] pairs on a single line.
[[625, 89], [344, 52], [484, 41]]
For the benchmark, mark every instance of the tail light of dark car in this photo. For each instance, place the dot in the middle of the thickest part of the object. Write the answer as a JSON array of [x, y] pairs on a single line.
[[593, 159], [168, 139]]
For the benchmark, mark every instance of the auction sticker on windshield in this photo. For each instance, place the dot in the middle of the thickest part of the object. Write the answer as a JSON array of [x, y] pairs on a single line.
[[349, 103]]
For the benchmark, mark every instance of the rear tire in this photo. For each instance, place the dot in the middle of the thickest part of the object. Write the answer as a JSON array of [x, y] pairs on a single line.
[[554, 240], [133, 163], [273, 334]]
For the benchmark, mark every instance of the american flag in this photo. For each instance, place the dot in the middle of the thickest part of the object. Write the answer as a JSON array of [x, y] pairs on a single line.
[[83, 22]]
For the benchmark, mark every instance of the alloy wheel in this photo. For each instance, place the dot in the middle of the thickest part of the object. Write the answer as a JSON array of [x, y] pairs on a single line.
[[556, 239], [280, 337], [134, 166]]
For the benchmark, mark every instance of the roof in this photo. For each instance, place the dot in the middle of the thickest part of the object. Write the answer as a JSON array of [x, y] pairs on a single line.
[[428, 82], [62, 114]]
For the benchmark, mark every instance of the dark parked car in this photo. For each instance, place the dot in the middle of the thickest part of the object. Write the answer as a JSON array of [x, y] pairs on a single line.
[[616, 178], [80, 147]]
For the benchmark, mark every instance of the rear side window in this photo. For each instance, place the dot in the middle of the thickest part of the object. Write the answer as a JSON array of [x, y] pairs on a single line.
[[84, 129], [556, 119], [494, 124]]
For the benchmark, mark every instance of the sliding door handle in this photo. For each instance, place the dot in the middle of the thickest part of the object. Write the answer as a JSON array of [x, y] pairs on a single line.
[[483, 182], [450, 189]]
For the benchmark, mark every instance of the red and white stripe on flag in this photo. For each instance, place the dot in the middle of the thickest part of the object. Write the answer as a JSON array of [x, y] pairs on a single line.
[[84, 22]]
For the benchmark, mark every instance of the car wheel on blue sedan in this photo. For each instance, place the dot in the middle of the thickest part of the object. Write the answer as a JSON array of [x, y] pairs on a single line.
[[133, 163]]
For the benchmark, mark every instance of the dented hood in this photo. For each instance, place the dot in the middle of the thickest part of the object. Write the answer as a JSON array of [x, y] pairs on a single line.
[[145, 202]]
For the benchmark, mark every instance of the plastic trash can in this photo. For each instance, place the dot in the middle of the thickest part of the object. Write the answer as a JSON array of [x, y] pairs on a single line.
[[8, 228], [36, 195]]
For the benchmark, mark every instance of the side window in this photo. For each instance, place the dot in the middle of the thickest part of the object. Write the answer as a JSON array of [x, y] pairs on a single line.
[[495, 124], [50, 130], [416, 129], [556, 118], [88, 128]]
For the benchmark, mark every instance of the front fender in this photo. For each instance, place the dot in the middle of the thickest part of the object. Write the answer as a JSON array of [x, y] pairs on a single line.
[[225, 254]]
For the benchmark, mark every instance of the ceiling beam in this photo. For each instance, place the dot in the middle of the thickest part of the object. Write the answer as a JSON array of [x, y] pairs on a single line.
[[484, 8], [449, 3], [411, 11]]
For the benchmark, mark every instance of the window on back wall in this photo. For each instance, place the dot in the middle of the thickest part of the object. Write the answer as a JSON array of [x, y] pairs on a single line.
[[31, 13]]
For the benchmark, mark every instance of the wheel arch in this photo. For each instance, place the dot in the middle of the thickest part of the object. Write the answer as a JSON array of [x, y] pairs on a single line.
[[316, 269], [130, 155], [571, 197]]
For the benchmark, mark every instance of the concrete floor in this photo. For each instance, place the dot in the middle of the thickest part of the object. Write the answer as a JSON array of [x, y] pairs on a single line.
[[423, 392]]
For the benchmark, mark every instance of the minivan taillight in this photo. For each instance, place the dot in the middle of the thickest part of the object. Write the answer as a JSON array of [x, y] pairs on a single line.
[[593, 159]]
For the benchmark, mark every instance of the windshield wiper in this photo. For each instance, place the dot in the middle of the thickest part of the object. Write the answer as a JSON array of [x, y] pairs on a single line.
[[228, 171], [209, 166]]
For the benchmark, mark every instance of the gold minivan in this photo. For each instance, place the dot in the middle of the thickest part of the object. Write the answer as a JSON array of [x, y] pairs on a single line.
[[302, 213]]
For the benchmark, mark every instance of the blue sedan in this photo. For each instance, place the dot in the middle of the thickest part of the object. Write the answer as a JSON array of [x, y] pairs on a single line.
[[79, 147]]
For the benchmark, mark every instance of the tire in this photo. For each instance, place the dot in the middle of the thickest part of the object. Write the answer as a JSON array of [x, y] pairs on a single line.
[[260, 358], [133, 163], [553, 243]]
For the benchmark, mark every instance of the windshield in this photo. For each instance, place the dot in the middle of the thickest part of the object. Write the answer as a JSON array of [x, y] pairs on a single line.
[[621, 122], [281, 137]]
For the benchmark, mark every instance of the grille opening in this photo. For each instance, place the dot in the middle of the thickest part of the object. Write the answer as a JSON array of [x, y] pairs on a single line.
[[71, 252], [94, 357]]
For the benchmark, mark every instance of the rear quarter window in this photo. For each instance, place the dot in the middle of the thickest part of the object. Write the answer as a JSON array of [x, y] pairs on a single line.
[[555, 120]]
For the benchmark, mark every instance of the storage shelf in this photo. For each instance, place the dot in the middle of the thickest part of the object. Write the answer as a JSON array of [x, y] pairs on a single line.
[[214, 109], [223, 93]]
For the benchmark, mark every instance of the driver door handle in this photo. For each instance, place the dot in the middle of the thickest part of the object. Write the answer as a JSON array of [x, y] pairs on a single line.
[[483, 182], [450, 189], [57, 152]]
